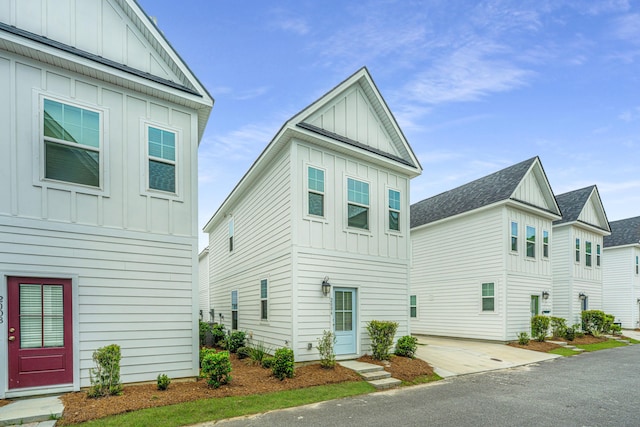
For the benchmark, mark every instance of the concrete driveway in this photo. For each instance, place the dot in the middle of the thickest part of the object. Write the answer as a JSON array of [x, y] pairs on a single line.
[[450, 357]]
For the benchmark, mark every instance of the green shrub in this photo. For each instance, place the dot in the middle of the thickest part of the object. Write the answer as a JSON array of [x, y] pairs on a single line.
[[204, 351], [325, 348], [558, 327], [577, 328], [163, 382], [570, 334], [616, 329], [523, 338], [236, 340], [204, 328], [539, 327], [268, 362], [597, 322], [218, 334], [105, 377], [283, 363], [216, 368], [258, 352], [243, 352], [407, 346], [381, 334]]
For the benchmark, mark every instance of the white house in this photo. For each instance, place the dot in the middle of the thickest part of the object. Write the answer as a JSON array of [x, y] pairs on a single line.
[[316, 234], [577, 253], [203, 285], [100, 121], [621, 272], [481, 259]]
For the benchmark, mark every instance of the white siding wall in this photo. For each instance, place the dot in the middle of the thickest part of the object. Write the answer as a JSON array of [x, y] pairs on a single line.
[[262, 250], [519, 262], [519, 291], [621, 286], [562, 252], [203, 285]]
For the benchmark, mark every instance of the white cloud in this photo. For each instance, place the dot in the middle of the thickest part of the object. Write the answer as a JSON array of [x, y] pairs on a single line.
[[251, 93], [627, 28], [630, 115], [242, 144], [287, 21]]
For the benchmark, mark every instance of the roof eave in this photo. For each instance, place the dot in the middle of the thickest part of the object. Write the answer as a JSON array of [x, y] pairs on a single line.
[[585, 226]]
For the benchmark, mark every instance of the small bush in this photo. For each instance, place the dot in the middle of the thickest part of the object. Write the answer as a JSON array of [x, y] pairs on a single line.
[[570, 334], [105, 377], [577, 329], [243, 352], [539, 327], [236, 340], [216, 368], [381, 334], [268, 362], [283, 363], [204, 328], [558, 327], [325, 347], [407, 346], [163, 382], [258, 352], [203, 352], [596, 322], [523, 338], [616, 329], [218, 334]]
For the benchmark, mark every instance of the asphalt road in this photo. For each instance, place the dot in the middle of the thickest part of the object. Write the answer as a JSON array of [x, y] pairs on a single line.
[[595, 389]]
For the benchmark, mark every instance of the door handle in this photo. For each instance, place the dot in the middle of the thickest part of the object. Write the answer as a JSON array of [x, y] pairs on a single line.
[[12, 338]]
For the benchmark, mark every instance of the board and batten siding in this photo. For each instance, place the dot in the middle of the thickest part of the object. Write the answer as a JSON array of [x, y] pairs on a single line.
[[134, 289], [563, 254], [621, 286], [261, 250], [381, 294], [450, 261], [519, 262], [332, 232], [203, 285]]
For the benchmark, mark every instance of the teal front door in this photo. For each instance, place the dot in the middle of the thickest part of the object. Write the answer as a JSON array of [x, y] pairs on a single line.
[[344, 315]]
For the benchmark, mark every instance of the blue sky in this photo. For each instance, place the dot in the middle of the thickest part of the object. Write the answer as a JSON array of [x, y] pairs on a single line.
[[475, 86]]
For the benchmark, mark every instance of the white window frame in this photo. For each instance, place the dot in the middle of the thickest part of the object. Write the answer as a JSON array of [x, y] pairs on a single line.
[[347, 203], [413, 305], [309, 190], [482, 297], [231, 240], [390, 209], [532, 243], [588, 253], [235, 309], [264, 301], [545, 244], [513, 236], [578, 247], [39, 159], [178, 195]]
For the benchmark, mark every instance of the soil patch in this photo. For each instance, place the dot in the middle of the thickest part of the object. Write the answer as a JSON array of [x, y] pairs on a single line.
[[246, 380], [4, 402], [402, 368]]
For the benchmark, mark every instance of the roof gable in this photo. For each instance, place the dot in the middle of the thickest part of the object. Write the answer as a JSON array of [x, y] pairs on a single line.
[[623, 232], [354, 113], [523, 182], [583, 206]]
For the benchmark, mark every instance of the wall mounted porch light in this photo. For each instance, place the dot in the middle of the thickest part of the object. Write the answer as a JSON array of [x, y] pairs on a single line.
[[545, 294], [582, 296], [326, 286]]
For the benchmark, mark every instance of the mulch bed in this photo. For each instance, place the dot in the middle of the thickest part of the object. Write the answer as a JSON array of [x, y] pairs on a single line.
[[402, 368], [545, 347]]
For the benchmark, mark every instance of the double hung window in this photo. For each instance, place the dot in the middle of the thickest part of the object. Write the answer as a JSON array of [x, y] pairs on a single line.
[[514, 236], [161, 146], [488, 297], [357, 204], [587, 253], [531, 242], [316, 191], [264, 285], [394, 210]]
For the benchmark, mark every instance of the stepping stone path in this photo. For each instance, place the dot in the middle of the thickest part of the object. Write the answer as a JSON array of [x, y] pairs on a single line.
[[565, 345], [373, 374]]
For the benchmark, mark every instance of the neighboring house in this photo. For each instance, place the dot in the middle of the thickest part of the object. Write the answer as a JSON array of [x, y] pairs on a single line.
[[100, 123], [577, 254], [203, 272], [621, 272], [315, 236], [481, 260]]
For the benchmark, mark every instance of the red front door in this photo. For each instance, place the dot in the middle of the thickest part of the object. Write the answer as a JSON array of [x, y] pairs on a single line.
[[40, 332]]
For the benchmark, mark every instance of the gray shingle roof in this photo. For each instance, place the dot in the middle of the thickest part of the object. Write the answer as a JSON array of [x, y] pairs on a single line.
[[490, 189], [623, 232], [572, 203]]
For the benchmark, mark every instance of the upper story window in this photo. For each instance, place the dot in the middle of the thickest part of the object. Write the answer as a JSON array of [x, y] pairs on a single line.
[[394, 210], [587, 253], [413, 306], [545, 244], [234, 310], [514, 236], [72, 144], [598, 250], [636, 264], [316, 191], [488, 297], [161, 146], [358, 204], [531, 242], [264, 294], [577, 250], [231, 231]]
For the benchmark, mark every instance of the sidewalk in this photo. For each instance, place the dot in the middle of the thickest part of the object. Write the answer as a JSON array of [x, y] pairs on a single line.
[[450, 357], [34, 412]]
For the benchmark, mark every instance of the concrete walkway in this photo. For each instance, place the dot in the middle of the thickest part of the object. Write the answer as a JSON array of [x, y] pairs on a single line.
[[35, 412], [631, 334], [450, 357]]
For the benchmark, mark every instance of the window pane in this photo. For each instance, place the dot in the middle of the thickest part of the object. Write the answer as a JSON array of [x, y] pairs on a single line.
[[53, 331], [358, 217], [348, 321], [487, 290], [162, 176], [263, 309], [316, 204], [358, 191], [316, 179], [30, 316], [394, 200], [339, 321], [72, 124], [263, 289], [487, 304], [412, 300], [414, 312], [339, 300], [71, 164], [234, 300], [394, 220], [162, 144], [514, 229]]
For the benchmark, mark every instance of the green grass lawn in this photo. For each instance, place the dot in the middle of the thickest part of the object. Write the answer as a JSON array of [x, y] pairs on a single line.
[[562, 351], [632, 341], [228, 407], [423, 380], [601, 345]]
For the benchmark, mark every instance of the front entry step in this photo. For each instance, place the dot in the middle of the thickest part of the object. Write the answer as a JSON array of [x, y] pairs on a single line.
[[373, 374]]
